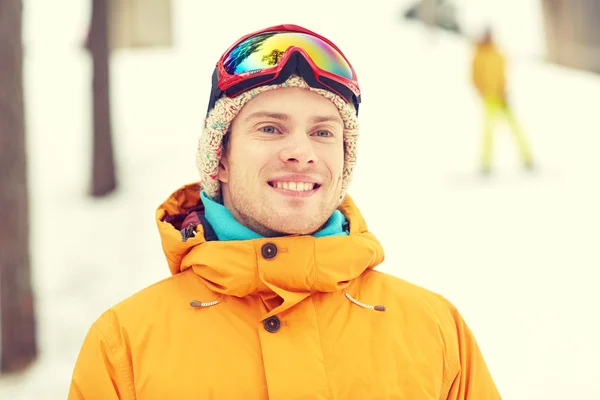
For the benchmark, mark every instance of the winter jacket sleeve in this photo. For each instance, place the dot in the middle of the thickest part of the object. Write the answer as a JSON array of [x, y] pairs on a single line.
[[473, 380], [102, 370]]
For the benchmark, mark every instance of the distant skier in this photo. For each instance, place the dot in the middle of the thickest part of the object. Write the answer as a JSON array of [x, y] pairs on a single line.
[[488, 73]]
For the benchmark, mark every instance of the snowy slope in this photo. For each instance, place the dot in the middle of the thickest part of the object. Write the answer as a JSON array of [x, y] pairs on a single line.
[[516, 253]]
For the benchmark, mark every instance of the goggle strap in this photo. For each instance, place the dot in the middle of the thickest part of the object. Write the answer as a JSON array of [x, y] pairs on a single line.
[[215, 92]]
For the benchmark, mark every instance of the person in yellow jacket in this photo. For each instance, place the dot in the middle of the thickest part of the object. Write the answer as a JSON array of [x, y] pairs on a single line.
[[274, 292], [489, 78]]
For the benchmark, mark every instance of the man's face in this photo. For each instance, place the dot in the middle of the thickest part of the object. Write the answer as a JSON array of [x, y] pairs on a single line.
[[488, 36], [282, 171]]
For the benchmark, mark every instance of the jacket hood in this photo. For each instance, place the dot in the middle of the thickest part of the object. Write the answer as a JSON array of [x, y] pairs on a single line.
[[301, 264]]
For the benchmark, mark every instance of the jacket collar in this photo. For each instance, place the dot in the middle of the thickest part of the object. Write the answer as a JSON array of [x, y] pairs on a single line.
[[302, 264]]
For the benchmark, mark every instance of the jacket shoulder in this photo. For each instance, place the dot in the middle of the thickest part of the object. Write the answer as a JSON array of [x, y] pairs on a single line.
[[408, 298], [148, 304], [421, 312], [402, 289]]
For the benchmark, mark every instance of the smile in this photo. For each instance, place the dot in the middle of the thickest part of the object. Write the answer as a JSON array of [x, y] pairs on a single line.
[[295, 186]]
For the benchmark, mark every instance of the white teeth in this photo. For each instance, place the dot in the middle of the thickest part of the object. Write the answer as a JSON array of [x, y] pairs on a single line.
[[308, 186], [294, 186]]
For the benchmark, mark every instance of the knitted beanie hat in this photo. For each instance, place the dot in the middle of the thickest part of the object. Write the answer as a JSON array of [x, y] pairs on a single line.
[[210, 146]]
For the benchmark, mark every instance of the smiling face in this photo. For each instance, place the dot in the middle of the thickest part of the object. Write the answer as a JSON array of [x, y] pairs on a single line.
[[282, 170]]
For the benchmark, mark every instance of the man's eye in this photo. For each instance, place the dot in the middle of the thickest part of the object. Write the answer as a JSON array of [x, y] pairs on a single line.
[[268, 129], [323, 133]]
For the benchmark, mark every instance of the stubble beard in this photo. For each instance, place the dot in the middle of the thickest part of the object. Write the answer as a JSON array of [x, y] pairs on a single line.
[[258, 214]]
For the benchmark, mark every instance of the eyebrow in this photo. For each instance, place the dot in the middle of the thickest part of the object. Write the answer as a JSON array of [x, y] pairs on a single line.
[[285, 117], [262, 114], [327, 118]]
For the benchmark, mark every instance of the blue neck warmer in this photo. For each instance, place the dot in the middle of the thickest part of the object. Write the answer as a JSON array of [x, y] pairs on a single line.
[[226, 227]]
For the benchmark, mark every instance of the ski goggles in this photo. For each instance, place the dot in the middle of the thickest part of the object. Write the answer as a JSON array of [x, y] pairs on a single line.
[[272, 55]]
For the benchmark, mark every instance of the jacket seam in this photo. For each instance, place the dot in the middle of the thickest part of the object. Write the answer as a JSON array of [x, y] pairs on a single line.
[[449, 357], [119, 360], [322, 348], [257, 267], [316, 278]]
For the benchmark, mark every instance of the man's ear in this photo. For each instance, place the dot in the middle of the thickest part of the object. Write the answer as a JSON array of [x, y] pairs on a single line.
[[223, 174]]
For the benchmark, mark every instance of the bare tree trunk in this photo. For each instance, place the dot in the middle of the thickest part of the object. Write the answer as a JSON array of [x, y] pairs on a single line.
[[572, 33], [18, 343], [103, 164], [428, 12]]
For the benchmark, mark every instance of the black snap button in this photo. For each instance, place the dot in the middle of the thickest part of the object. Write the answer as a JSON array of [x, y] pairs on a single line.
[[268, 250], [272, 324]]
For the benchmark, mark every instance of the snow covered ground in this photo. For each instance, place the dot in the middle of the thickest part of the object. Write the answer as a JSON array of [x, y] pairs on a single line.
[[517, 253]]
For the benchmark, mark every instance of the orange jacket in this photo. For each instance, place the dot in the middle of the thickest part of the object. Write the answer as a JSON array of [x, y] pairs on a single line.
[[277, 322], [488, 72]]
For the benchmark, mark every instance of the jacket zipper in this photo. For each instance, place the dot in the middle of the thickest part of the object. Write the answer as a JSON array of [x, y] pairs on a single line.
[[188, 232]]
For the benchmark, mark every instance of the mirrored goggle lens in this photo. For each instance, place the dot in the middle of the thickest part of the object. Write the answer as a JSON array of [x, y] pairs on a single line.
[[266, 49]]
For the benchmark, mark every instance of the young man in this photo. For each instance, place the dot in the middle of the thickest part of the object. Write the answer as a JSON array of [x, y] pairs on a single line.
[[274, 294], [489, 78]]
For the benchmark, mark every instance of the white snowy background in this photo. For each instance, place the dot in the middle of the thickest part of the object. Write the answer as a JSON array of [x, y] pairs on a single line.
[[517, 253]]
